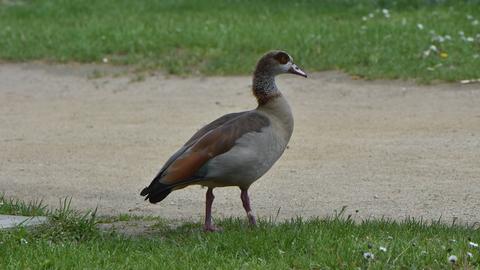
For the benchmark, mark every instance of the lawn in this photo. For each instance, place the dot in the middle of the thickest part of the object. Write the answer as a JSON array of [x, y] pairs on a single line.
[[72, 240], [426, 40]]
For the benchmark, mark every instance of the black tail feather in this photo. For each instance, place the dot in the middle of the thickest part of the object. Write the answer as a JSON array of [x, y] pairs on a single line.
[[156, 192]]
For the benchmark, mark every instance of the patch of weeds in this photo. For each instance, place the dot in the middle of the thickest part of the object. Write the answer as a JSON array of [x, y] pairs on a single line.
[[12, 206], [125, 217], [137, 78], [96, 74], [66, 224]]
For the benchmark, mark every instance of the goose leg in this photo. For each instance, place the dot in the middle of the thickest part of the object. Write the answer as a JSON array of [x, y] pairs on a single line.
[[246, 205], [209, 227]]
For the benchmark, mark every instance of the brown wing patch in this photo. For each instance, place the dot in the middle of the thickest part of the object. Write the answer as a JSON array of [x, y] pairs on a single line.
[[282, 58], [213, 125], [212, 144]]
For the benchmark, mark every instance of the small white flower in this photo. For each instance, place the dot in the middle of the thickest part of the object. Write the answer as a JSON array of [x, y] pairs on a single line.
[[448, 37], [469, 255], [23, 241], [382, 249], [469, 39], [364, 18], [475, 22], [105, 60], [371, 15], [475, 56], [368, 256], [426, 53], [470, 17], [386, 13], [433, 48], [420, 26], [461, 33], [472, 245], [452, 259], [438, 38]]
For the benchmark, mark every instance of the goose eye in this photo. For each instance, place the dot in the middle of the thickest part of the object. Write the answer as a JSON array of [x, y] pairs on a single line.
[[282, 58]]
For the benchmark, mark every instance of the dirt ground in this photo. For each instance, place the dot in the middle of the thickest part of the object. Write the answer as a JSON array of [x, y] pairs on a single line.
[[382, 149]]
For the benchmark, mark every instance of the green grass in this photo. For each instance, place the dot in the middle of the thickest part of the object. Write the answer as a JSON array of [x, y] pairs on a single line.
[[72, 240], [11, 206], [227, 37]]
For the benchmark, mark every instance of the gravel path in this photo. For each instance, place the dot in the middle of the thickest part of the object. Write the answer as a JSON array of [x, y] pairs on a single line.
[[382, 148]]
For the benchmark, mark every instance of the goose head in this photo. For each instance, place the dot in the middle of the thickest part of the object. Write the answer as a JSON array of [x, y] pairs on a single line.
[[277, 62]]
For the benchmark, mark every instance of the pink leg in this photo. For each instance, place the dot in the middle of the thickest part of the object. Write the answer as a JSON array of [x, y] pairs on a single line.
[[209, 227], [246, 205]]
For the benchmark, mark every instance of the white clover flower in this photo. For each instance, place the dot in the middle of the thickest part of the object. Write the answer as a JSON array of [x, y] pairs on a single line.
[[461, 33], [364, 18], [469, 17], [420, 26], [448, 37], [472, 245], [469, 39], [452, 259], [105, 60], [368, 256], [469, 255], [433, 48], [382, 249], [475, 22], [371, 15], [438, 38], [386, 13], [23, 241]]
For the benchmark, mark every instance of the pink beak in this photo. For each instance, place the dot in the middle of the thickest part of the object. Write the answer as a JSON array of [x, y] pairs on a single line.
[[294, 69]]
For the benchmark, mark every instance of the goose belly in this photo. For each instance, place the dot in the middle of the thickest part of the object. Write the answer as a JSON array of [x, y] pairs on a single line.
[[251, 157]]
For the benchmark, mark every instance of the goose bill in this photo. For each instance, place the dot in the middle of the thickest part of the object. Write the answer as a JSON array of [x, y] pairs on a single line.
[[294, 69]]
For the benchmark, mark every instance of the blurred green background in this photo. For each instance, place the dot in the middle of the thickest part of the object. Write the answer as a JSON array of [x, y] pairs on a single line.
[[425, 40]]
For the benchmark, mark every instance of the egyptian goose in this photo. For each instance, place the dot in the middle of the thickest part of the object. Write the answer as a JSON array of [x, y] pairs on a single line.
[[235, 149]]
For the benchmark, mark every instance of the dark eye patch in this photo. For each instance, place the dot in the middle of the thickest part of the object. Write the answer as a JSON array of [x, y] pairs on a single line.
[[282, 58]]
